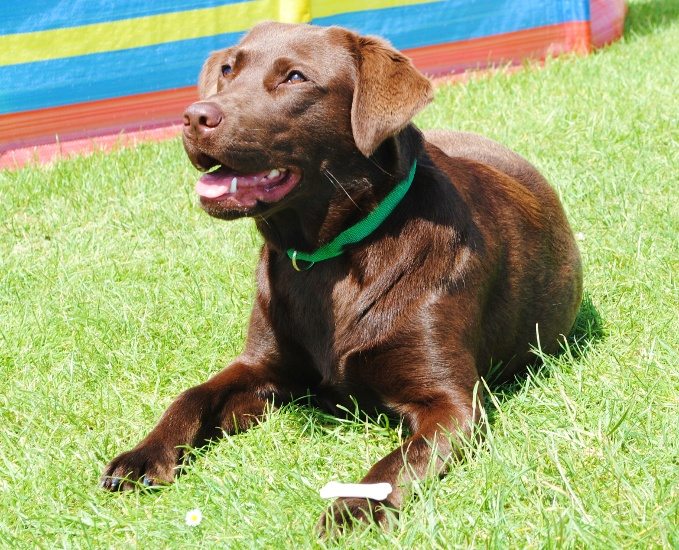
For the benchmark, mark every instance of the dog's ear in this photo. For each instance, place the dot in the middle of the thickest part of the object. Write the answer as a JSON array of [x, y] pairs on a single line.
[[209, 74], [389, 91]]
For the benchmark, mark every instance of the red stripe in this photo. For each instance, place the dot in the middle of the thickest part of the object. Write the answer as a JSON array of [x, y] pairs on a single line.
[[500, 49], [94, 118], [50, 152]]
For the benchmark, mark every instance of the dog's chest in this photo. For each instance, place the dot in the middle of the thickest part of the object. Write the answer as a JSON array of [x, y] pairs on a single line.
[[320, 315]]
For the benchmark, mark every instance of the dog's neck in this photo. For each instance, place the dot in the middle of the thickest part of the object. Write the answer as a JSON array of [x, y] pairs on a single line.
[[352, 190]]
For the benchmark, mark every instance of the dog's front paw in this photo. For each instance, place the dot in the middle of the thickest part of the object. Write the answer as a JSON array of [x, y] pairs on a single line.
[[143, 466], [347, 512]]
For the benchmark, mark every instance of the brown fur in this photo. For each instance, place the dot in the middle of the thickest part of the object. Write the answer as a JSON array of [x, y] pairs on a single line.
[[387, 94], [476, 259]]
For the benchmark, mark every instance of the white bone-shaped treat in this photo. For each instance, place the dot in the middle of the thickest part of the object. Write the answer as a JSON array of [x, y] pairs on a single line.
[[375, 491]]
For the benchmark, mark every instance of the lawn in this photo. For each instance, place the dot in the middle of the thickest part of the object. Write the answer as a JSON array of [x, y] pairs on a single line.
[[117, 292]]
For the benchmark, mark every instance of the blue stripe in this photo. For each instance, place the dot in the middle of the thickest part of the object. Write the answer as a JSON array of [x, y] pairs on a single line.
[[42, 84], [453, 20], [19, 16]]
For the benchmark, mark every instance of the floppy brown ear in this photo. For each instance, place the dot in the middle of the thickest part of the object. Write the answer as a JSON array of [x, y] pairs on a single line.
[[389, 91], [209, 74]]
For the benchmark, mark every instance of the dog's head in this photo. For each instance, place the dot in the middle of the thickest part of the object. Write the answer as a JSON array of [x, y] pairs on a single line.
[[287, 104]]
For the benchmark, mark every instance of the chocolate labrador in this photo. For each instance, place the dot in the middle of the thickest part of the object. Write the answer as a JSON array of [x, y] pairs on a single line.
[[398, 266]]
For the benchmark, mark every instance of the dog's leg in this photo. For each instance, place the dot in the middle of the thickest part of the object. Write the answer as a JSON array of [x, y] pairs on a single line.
[[439, 427], [230, 401]]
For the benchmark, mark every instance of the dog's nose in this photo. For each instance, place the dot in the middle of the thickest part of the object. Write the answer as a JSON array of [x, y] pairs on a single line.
[[201, 118]]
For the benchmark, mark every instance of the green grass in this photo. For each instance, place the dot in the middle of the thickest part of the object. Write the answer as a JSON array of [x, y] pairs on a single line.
[[117, 292]]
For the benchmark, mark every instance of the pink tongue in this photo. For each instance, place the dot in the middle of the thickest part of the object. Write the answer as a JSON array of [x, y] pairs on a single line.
[[210, 190], [218, 183]]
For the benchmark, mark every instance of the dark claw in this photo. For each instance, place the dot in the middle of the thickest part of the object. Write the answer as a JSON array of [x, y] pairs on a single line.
[[114, 483], [145, 468]]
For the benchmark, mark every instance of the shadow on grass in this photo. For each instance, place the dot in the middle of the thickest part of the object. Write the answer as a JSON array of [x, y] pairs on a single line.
[[587, 330], [649, 17]]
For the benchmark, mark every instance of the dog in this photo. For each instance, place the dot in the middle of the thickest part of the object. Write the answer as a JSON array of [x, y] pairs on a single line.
[[398, 267]]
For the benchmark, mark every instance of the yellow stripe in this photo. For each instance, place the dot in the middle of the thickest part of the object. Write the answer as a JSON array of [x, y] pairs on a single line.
[[294, 11], [133, 33], [171, 27], [326, 8]]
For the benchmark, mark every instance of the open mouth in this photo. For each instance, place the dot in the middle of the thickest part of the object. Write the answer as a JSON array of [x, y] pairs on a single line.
[[232, 189]]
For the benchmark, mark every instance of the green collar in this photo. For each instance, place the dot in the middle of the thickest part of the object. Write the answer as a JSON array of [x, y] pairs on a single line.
[[357, 232]]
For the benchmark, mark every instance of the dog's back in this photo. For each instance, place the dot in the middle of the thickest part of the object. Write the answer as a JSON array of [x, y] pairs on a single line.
[[481, 149]]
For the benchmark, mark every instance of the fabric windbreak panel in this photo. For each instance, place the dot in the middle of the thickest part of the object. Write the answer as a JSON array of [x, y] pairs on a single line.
[[73, 62]]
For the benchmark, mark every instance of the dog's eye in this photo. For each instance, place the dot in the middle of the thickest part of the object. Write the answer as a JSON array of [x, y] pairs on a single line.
[[226, 70], [295, 77]]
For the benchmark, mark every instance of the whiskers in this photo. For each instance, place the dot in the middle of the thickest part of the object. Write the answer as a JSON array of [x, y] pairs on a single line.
[[380, 168], [273, 232], [263, 219], [336, 183]]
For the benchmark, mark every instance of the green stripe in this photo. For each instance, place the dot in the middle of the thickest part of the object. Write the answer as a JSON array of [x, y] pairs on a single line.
[[359, 231]]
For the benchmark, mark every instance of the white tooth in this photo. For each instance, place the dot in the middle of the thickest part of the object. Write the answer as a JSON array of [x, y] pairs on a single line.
[[274, 174], [283, 170], [234, 185]]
